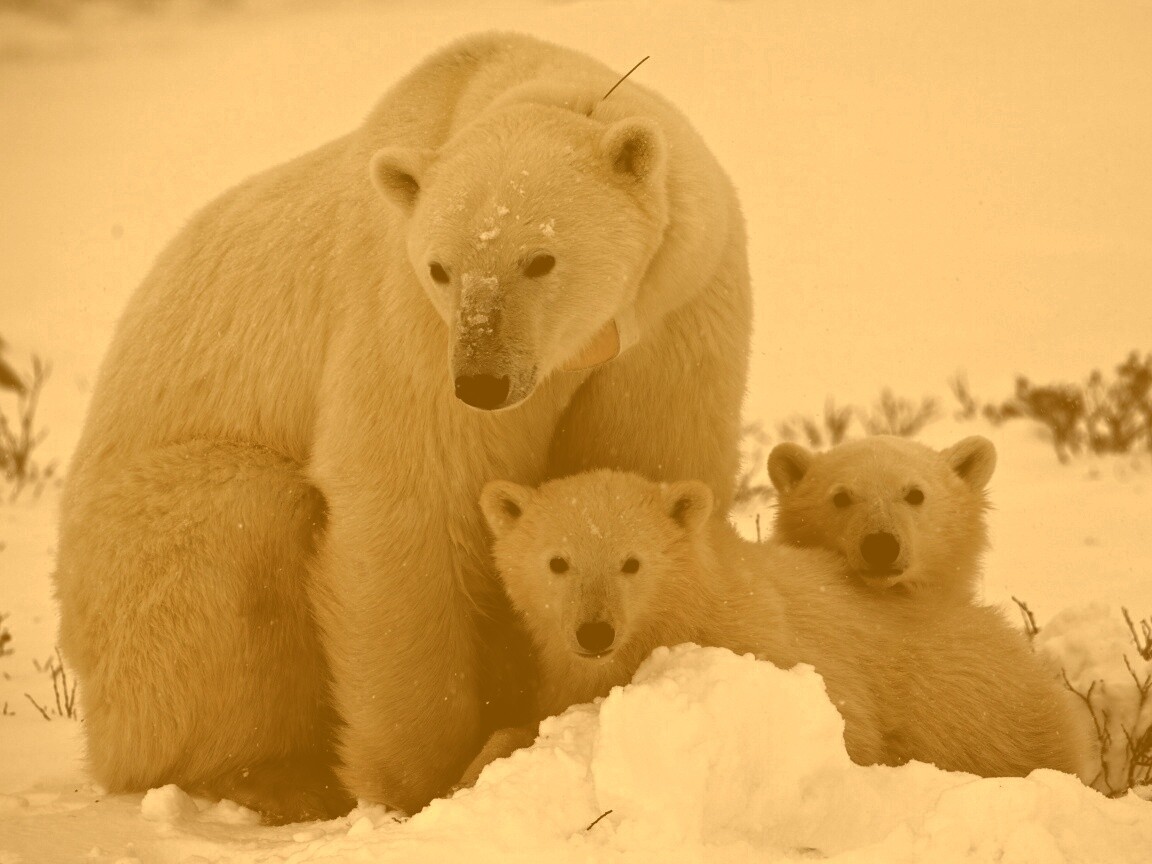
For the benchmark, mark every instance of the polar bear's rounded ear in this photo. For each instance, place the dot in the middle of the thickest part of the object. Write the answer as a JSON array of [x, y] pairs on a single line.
[[502, 503], [635, 149], [397, 173], [973, 459], [688, 503], [787, 465]]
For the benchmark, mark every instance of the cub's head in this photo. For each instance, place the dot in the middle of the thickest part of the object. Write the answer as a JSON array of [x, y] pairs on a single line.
[[902, 514], [587, 560], [530, 231]]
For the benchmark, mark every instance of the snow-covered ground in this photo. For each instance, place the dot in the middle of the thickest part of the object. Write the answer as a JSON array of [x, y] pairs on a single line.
[[927, 189]]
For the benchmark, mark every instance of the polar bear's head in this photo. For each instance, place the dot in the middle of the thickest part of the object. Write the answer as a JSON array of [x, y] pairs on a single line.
[[592, 561], [902, 514], [530, 231]]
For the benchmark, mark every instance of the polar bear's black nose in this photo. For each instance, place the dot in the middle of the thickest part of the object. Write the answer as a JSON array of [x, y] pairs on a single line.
[[880, 550], [596, 636], [482, 391]]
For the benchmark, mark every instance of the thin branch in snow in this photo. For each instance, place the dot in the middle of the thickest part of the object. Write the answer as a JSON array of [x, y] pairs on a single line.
[[5, 636], [1143, 645], [37, 706], [597, 819], [1030, 628], [67, 707], [1100, 724]]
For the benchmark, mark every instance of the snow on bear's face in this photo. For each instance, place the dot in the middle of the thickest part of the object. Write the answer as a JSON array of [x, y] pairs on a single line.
[[587, 560], [529, 231], [901, 513]]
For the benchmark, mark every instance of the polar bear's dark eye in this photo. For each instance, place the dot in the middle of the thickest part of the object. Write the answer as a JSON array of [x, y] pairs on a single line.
[[540, 265], [438, 273], [631, 565], [558, 565], [841, 499], [914, 496]]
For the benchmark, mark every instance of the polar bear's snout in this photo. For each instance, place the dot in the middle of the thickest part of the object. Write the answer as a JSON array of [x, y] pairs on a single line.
[[492, 362], [595, 638], [881, 552], [487, 392]]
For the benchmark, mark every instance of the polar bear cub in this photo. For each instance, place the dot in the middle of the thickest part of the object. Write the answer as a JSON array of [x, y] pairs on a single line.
[[603, 567], [905, 517]]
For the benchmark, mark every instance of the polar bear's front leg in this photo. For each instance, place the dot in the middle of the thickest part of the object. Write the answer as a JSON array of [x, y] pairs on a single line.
[[402, 649]]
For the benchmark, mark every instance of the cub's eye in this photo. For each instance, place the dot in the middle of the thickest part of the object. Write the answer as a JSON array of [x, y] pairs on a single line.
[[841, 499], [914, 496], [438, 273], [540, 265], [631, 565], [558, 565]]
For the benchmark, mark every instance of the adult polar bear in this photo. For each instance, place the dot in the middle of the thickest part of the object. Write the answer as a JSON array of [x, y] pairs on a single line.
[[271, 559]]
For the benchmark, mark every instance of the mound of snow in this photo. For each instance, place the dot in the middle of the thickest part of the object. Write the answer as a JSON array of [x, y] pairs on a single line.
[[171, 805], [711, 756]]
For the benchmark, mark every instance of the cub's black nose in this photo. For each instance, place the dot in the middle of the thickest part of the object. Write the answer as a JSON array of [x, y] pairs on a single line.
[[482, 391], [596, 637], [880, 550]]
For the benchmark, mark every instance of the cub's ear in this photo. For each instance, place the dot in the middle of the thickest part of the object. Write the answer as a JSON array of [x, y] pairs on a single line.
[[973, 459], [635, 150], [688, 503], [397, 173], [787, 465], [503, 503]]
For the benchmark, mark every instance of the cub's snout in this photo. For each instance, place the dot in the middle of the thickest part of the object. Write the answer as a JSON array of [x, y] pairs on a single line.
[[595, 638], [881, 553]]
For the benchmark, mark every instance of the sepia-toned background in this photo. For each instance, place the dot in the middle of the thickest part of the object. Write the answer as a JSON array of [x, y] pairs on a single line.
[[930, 189]]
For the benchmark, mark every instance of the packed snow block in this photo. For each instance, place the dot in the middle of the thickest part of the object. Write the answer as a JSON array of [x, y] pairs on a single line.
[[708, 755], [270, 559], [710, 746]]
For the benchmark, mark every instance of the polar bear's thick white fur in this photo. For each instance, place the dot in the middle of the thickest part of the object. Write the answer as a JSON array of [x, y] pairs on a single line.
[[274, 582], [906, 518], [606, 566]]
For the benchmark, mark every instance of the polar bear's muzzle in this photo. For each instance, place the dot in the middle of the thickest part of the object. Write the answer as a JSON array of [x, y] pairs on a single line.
[[493, 366], [487, 373], [484, 391]]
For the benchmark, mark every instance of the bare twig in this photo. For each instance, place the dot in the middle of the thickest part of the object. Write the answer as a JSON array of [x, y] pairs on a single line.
[[19, 439], [1100, 725], [623, 78], [67, 708], [1139, 742], [597, 819], [37, 706], [5, 636], [1143, 645], [1030, 628]]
